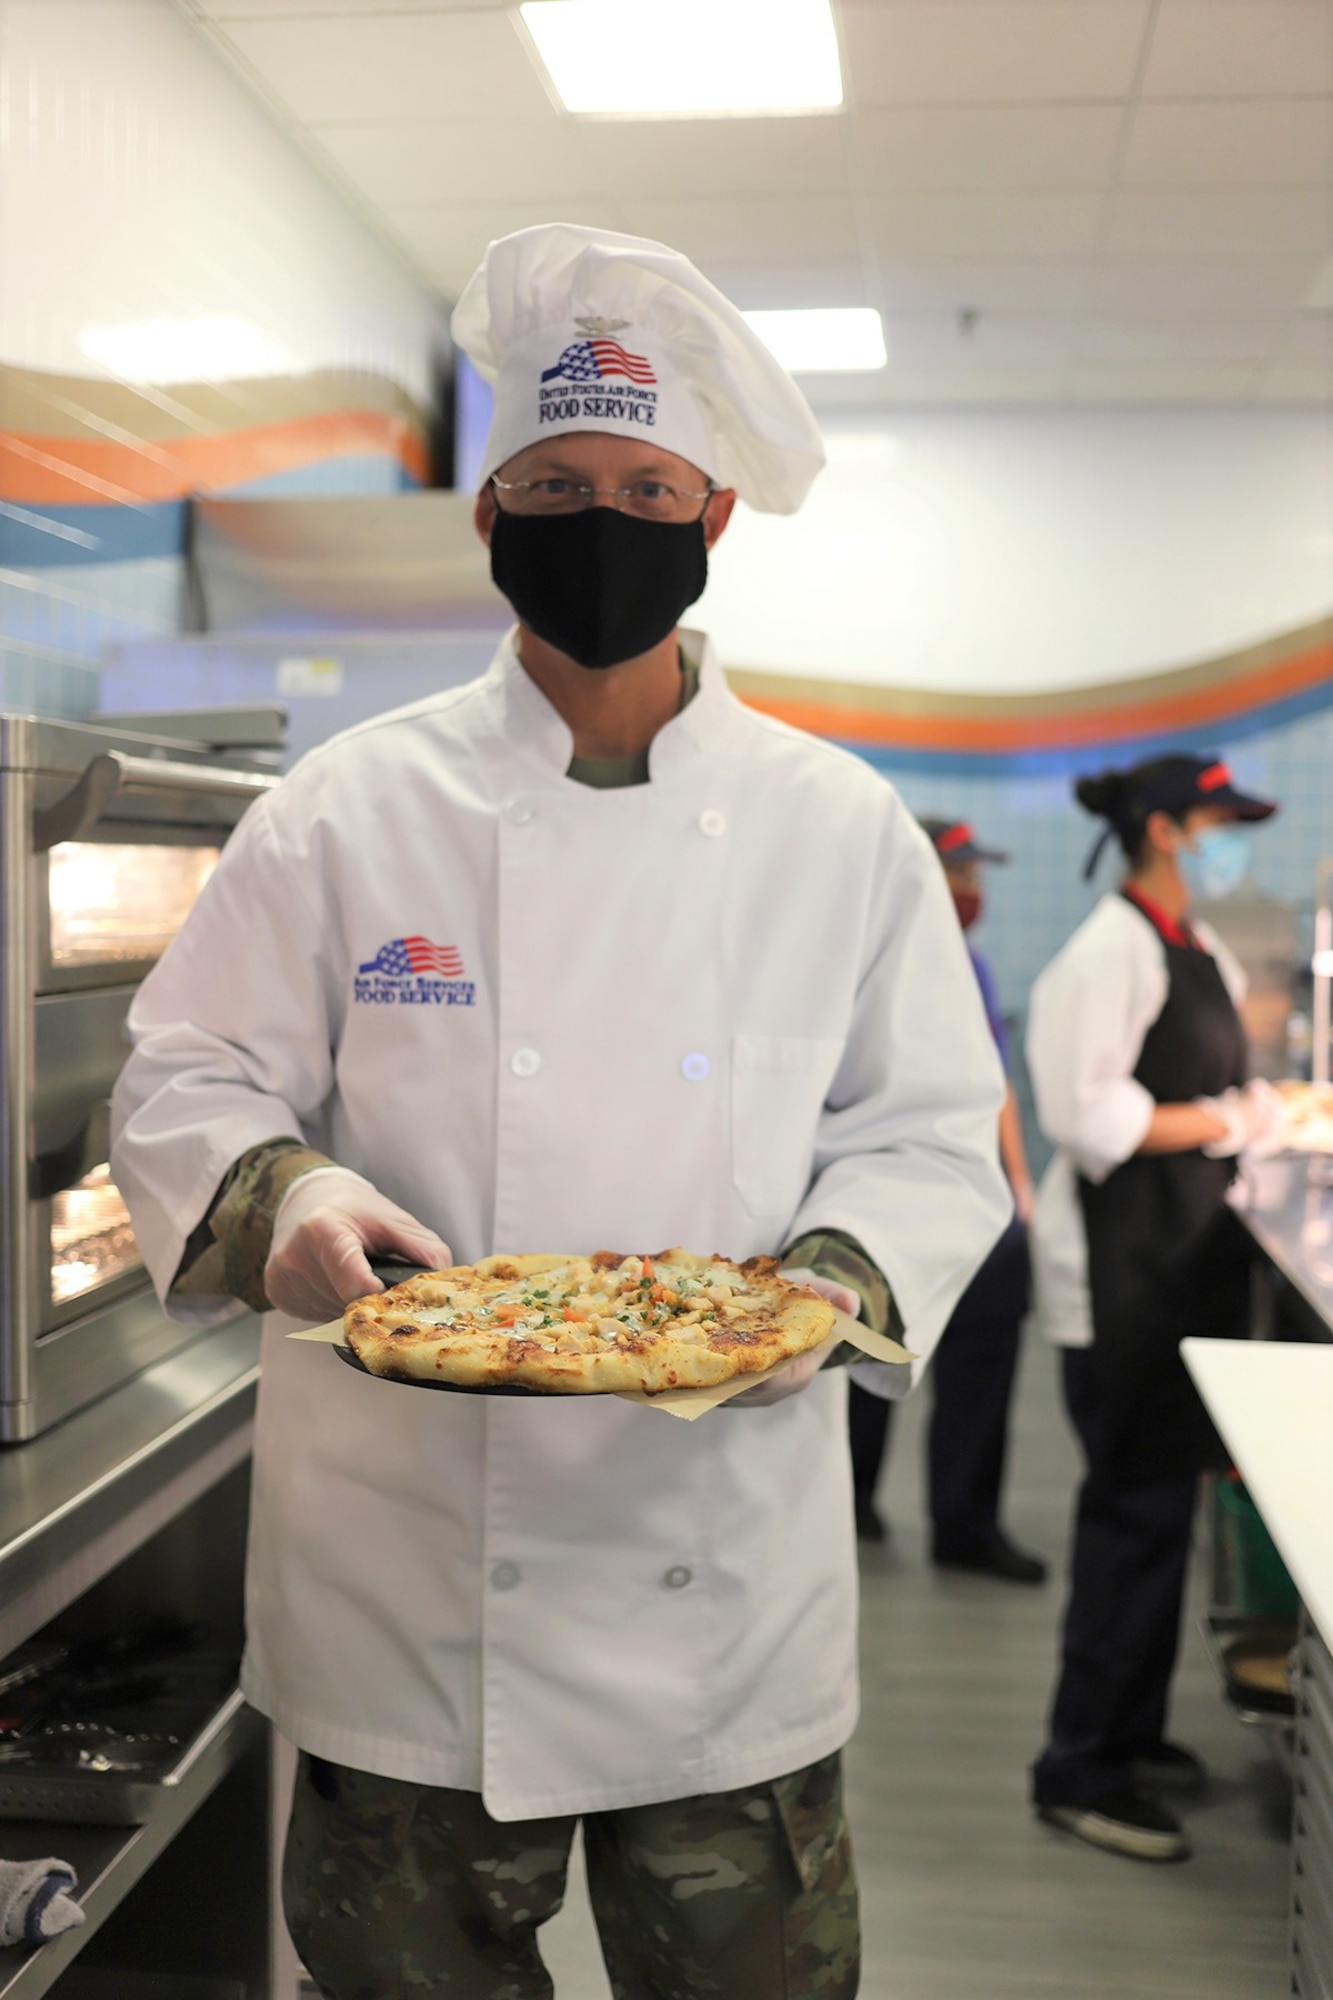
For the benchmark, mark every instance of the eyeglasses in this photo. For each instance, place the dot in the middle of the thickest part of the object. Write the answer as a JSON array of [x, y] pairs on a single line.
[[647, 499]]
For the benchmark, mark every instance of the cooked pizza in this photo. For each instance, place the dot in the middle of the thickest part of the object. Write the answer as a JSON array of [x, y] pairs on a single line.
[[588, 1325], [1309, 1109]]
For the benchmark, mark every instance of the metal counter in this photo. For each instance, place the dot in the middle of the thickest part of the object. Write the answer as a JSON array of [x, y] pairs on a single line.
[[1289, 1212], [78, 1500], [74, 1504]]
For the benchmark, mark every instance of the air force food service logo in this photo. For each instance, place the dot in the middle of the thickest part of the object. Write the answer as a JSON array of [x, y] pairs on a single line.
[[576, 385], [413, 972]]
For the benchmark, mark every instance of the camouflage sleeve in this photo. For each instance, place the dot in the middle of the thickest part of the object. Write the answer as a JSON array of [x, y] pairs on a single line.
[[227, 1253], [831, 1253]]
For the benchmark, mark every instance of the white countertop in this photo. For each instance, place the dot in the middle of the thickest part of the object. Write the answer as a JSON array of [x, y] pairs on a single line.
[[1273, 1403]]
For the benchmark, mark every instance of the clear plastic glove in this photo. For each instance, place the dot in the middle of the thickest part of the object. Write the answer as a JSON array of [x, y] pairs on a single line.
[[326, 1224], [1255, 1118], [790, 1381]]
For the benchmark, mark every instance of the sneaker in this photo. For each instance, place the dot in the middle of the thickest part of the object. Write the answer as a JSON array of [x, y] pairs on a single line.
[[1170, 1767], [1124, 1822], [870, 1523], [996, 1556]]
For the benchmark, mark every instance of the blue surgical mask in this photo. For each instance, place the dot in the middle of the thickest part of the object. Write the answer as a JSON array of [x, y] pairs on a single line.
[[1216, 862]]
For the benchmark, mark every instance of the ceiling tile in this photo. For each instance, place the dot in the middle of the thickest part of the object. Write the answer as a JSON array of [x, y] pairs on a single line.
[[540, 156], [450, 239], [978, 225], [915, 387], [1201, 284], [719, 158], [772, 285], [1300, 386], [1233, 143], [993, 344], [423, 66], [1221, 222], [1241, 48], [749, 232], [949, 147], [1055, 286], [1161, 382], [1305, 341], [1203, 338], [270, 10], [991, 51]]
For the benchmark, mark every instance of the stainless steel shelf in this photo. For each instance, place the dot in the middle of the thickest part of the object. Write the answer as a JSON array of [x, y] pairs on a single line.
[[109, 1860], [1290, 1215], [82, 1497]]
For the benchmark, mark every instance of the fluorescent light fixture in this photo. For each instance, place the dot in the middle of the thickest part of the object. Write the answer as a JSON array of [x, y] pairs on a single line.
[[210, 349], [824, 340], [688, 58]]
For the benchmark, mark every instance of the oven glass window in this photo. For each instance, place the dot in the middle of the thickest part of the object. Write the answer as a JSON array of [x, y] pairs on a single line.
[[114, 904], [91, 1238]]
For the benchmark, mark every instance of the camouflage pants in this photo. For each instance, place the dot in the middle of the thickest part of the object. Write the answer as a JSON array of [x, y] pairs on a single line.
[[402, 1892]]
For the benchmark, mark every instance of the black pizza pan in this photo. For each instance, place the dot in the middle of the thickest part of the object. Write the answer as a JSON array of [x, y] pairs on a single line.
[[390, 1271]]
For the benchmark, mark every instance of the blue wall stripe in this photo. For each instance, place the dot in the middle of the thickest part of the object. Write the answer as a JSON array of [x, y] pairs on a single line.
[[59, 537]]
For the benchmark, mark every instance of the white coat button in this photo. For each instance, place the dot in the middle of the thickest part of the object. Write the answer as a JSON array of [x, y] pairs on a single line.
[[505, 1576], [525, 1062], [520, 812], [677, 1577], [695, 1066], [712, 822]]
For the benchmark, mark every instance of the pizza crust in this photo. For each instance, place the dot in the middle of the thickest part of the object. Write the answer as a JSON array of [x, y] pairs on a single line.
[[568, 1325]]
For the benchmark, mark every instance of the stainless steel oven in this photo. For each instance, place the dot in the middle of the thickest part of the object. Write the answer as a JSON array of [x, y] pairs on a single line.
[[106, 838]]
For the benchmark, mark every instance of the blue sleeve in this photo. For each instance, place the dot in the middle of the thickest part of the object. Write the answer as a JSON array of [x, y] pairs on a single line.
[[991, 1001]]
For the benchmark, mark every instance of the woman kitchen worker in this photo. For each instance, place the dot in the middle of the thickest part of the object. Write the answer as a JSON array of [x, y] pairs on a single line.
[[1138, 1063]]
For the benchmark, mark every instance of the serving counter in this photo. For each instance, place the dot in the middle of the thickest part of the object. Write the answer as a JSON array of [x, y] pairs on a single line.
[[1288, 1209], [134, 1505], [1272, 1400]]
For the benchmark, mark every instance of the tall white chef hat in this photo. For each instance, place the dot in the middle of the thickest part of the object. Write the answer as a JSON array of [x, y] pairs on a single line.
[[583, 330]]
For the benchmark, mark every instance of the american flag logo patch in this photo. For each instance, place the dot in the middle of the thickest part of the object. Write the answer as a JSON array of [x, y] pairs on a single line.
[[402, 956], [594, 360]]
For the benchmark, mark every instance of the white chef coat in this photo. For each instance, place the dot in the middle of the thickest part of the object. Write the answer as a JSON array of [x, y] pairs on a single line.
[[1090, 1011], [719, 1009]]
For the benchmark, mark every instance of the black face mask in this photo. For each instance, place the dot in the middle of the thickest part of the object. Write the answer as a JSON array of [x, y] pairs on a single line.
[[601, 586]]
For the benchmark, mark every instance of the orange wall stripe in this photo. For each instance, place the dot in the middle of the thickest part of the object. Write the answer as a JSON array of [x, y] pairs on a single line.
[[1124, 719], [63, 472]]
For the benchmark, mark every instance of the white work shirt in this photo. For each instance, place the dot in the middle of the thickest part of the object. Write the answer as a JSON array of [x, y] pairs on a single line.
[[1090, 1012], [720, 1009]]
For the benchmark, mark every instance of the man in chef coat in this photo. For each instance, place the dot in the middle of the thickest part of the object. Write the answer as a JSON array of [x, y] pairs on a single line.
[[584, 954]]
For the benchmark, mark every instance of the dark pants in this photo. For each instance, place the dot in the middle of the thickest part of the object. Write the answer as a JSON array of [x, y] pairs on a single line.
[[972, 1378], [1122, 1620]]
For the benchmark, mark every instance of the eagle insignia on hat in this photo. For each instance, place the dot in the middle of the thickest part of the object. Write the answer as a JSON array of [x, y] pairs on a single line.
[[593, 325]]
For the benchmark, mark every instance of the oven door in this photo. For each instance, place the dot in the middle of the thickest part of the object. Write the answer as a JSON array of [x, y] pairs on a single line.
[[107, 906], [118, 861], [81, 1248]]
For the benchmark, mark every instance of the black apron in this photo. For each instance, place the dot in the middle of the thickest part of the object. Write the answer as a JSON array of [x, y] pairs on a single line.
[[1166, 1255]]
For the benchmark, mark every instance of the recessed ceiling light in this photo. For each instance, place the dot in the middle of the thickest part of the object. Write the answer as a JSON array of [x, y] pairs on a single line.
[[688, 58], [214, 348], [824, 340]]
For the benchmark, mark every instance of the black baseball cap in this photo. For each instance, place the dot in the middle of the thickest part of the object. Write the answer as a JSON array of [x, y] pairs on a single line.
[[1177, 785], [953, 840]]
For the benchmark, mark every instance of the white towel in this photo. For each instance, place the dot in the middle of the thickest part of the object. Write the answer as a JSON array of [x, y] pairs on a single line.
[[36, 1901]]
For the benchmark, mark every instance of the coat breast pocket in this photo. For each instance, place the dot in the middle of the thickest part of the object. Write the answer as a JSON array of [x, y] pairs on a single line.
[[778, 1087]]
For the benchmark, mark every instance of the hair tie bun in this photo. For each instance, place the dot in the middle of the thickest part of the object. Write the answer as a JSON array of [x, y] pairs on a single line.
[[1102, 794]]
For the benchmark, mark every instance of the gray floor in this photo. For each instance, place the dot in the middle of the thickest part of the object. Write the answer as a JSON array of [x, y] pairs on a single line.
[[965, 1896]]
